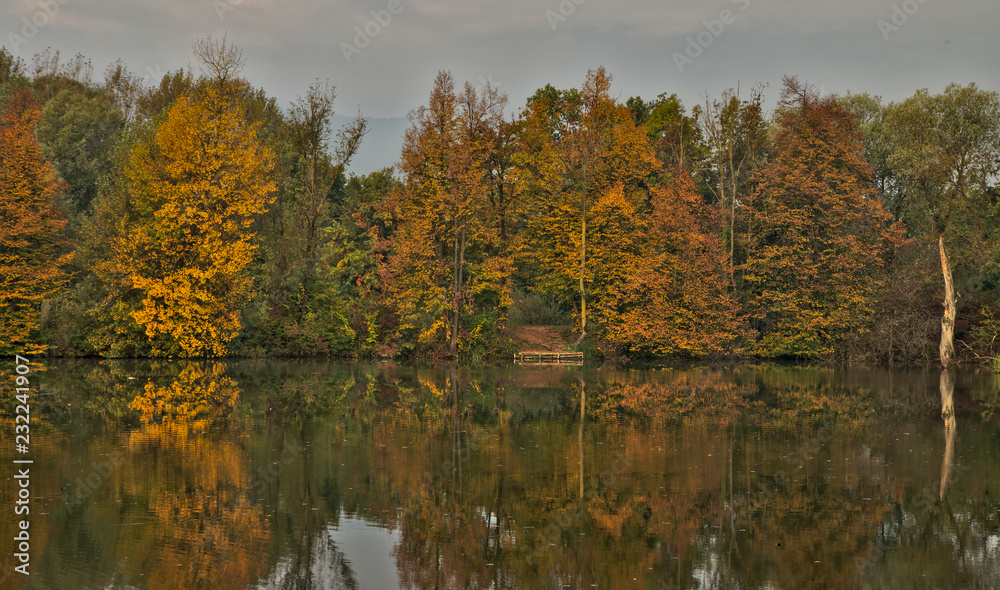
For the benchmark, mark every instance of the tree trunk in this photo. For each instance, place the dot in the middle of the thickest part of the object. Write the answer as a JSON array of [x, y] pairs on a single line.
[[457, 289], [947, 348], [583, 417], [583, 270]]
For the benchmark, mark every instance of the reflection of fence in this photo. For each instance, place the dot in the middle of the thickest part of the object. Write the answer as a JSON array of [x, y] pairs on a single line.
[[548, 357]]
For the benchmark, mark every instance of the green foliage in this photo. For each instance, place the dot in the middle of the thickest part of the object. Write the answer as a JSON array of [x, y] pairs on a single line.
[[485, 339], [12, 75], [538, 309], [78, 134]]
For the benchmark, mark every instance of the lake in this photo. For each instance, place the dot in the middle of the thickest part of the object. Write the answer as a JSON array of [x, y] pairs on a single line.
[[306, 474]]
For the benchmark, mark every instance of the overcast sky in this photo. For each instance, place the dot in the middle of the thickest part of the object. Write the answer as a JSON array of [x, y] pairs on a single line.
[[692, 48]]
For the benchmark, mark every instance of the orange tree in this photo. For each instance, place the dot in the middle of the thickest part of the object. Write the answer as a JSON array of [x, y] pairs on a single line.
[[674, 298], [819, 236], [31, 227], [445, 261]]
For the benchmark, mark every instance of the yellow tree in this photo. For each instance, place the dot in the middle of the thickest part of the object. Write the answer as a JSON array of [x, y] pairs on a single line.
[[583, 164], [31, 226], [196, 188]]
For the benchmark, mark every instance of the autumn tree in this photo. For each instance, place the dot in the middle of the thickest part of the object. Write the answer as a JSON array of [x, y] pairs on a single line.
[[192, 188], [674, 299], [444, 260], [32, 253], [819, 237], [581, 153]]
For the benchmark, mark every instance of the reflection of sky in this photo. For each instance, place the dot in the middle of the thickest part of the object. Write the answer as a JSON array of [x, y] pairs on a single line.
[[355, 555], [367, 550]]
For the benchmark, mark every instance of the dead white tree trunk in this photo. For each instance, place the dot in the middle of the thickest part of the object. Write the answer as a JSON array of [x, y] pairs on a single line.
[[947, 348]]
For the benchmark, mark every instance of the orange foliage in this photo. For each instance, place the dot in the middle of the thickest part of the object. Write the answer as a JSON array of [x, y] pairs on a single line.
[[31, 226], [583, 166], [447, 259], [673, 298], [819, 236]]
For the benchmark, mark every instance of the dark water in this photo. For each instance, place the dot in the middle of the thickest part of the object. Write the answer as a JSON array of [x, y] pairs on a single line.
[[272, 475]]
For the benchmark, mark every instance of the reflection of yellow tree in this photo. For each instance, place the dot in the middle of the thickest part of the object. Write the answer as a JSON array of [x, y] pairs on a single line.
[[206, 532], [195, 393]]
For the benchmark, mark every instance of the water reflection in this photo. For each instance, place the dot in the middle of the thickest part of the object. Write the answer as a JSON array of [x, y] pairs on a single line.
[[310, 475], [948, 415]]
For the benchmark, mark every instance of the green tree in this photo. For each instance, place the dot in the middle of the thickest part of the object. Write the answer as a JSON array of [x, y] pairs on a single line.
[[78, 134], [676, 136], [735, 134], [946, 156], [347, 283], [50, 75], [302, 211], [12, 75]]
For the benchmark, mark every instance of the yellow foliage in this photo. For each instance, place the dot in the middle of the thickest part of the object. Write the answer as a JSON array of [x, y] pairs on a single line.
[[196, 392], [199, 186]]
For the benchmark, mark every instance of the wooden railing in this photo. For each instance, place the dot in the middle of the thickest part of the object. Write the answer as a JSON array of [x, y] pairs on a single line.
[[549, 357]]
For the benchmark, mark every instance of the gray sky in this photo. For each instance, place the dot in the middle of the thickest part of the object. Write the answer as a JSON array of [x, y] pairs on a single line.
[[648, 46]]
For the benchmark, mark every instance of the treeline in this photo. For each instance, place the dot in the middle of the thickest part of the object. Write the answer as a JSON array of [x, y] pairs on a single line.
[[195, 217]]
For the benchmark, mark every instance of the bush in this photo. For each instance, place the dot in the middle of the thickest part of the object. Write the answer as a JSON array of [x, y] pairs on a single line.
[[537, 309]]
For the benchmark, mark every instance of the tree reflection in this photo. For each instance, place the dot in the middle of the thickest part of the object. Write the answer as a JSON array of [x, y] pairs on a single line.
[[193, 483], [327, 568], [199, 392], [948, 415], [541, 478]]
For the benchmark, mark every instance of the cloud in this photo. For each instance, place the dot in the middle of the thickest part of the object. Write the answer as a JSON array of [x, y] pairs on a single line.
[[291, 42]]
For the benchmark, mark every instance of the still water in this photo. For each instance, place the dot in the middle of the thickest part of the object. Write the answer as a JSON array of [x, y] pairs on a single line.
[[272, 475]]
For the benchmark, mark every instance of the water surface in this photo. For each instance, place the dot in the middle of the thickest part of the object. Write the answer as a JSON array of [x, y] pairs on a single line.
[[274, 475]]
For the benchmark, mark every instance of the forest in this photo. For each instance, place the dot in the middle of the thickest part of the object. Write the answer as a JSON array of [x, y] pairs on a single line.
[[197, 217]]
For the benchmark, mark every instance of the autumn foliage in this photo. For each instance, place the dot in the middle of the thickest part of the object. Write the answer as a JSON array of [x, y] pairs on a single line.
[[819, 237], [446, 260], [676, 300], [201, 180], [32, 253], [206, 220]]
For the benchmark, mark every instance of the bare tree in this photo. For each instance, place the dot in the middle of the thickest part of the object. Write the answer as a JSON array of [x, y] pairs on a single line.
[[219, 59]]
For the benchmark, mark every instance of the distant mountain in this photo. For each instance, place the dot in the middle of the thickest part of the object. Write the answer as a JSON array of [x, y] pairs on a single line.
[[381, 146]]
